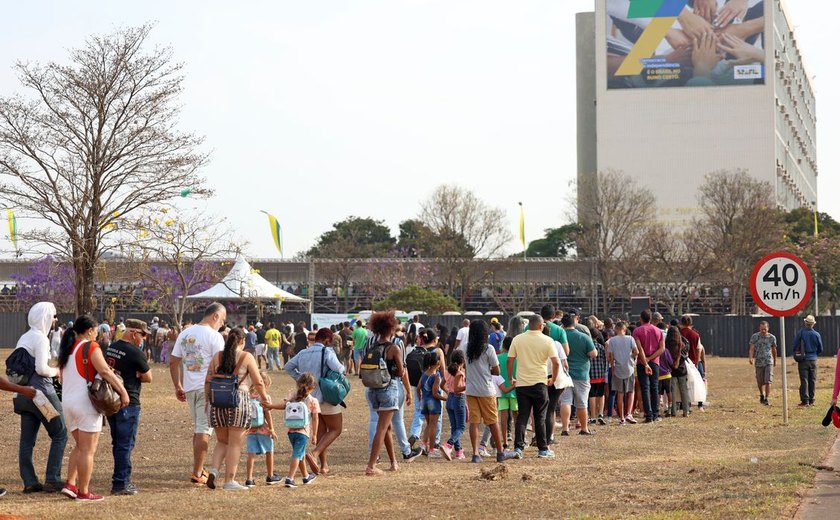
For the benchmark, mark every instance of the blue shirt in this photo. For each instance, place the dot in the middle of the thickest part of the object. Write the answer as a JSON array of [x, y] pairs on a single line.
[[812, 341], [309, 360], [250, 340]]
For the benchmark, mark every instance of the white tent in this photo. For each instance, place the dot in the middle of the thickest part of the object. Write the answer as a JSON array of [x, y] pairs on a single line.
[[242, 283]]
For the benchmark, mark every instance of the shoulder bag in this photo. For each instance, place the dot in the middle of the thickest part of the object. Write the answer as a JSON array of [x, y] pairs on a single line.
[[103, 395], [334, 386]]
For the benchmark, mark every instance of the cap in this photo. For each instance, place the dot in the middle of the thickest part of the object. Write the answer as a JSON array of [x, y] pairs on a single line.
[[132, 323], [657, 316], [572, 312], [810, 320], [494, 320], [259, 324]]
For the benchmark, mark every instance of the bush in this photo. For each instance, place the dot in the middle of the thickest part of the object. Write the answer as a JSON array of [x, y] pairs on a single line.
[[413, 298]]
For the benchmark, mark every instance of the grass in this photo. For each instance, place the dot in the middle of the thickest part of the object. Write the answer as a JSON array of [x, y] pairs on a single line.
[[676, 469]]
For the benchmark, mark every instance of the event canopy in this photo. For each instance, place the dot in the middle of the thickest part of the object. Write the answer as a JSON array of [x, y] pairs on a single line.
[[243, 283]]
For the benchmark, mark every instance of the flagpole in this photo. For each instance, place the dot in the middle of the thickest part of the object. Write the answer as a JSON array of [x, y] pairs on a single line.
[[816, 283]]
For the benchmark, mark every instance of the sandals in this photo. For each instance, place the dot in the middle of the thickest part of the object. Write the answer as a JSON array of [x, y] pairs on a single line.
[[199, 480]]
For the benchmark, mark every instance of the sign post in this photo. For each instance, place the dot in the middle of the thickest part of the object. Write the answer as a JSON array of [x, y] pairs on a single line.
[[781, 285]]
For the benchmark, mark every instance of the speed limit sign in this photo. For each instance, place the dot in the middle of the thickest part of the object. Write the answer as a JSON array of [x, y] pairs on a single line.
[[781, 284]]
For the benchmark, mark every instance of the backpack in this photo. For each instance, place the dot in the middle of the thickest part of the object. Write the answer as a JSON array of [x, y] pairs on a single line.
[[297, 415], [374, 370], [414, 365], [20, 366], [224, 388], [257, 414]]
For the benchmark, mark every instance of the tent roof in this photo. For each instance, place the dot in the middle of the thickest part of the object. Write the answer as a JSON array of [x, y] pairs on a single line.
[[242, 283]]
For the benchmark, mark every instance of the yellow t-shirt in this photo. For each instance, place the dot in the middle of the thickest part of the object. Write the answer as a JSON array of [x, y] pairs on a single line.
[[532, 351], [272, 338]]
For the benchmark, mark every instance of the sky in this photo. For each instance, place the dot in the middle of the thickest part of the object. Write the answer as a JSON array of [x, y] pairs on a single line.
[[320, 109]]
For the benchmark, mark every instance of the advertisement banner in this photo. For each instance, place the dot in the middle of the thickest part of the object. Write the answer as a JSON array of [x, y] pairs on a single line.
[[327, 320], [685, 43]]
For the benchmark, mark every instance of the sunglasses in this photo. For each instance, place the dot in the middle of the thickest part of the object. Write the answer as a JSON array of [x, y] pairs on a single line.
[[138, 331]]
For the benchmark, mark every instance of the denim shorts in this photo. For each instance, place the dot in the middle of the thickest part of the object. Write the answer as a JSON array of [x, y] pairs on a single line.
[[430, 406], [299, 442], [357, 355], [385, 399], [259, 444]]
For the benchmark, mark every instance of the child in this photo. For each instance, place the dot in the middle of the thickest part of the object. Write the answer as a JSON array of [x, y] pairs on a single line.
[[622, 352], [597, 390], [261, 438], [507, 403], [430, 395], [299, 437], [456, 405]]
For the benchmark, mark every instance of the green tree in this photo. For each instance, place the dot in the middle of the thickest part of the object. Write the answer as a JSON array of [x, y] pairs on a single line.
[[557, 242], [800, 225], [414, 297], [354, 237]]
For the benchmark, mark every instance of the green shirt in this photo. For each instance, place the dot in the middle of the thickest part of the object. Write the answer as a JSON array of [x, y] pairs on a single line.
[[579, 347], [555, 332], [503, 359], [360, 336]]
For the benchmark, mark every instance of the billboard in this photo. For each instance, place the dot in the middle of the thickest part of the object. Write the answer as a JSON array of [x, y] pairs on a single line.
[[684, 43]]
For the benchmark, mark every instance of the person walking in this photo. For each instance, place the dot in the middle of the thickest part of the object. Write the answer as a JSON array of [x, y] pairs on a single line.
[[316, 360], [41, 318], [531, 351], [809, 343], [78, 368], [581, 352], [194, 348], [763, 357], [272, 342], [231, 424], [125, 358], [651, 343]]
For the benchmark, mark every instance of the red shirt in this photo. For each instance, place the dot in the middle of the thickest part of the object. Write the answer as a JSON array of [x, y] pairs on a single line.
[[649, 336], [80, 366], [693, 343]]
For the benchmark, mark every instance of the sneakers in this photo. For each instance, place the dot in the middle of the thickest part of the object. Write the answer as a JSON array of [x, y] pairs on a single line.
[[459, 454], [505, 455], [482, 451], [129, 490], [34, 488], [548, 454], [622, 422], [413, 454], [235, 486], [476, 459], [601, 420], [435, 454], [211, 478], [69, 490], [446, 448], [309, 478], [272, 480], [88, 497], [2, 492], [52, 487], [586, 432], [249, 483], [591, 421], [631, 419], [412, 440], [517, 453], [289, 483], [424, 449]]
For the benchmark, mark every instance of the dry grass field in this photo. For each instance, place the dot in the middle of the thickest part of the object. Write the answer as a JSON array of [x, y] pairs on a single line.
[[698, 467]]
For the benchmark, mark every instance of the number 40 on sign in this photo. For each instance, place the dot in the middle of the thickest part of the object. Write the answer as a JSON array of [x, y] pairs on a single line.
[[781, 284]]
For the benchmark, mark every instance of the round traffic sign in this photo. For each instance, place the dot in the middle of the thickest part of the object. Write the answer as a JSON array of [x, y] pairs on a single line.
[[781, 284]]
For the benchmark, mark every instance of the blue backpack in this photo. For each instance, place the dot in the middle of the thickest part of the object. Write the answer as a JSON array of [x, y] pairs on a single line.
[[257, 415], [297, 415]]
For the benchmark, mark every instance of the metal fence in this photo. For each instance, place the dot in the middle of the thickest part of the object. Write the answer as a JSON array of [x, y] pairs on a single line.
[[726, 336]]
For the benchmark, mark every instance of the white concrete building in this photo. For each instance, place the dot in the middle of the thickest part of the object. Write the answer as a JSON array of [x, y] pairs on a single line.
[[668, 135]]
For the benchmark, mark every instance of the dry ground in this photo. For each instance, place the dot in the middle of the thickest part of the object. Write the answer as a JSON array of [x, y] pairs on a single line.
[[678, 468]]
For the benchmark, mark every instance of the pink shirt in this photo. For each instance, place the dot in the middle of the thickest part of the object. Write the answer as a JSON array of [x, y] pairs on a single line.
[[836, 380], [649, 336]]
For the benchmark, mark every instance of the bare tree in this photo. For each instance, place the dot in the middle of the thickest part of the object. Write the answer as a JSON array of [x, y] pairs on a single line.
[[740, 222], [180, 254], [677, 260], [618, 216], [95, 142]]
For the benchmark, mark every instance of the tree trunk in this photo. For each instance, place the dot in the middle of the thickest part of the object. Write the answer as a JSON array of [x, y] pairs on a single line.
[[85, 270]]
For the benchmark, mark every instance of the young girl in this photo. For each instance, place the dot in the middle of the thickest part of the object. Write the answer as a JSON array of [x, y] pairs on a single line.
[[622, 352], [261, 439], [456, 405], [300, 437], [430, 395]]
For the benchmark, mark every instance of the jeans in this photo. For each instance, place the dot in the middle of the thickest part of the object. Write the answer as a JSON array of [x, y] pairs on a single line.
[[551, 411], [30, 419], [273, 358], [531, 398], [807, 381], [456, 408], [123, 426], [397, 423], [649, 386], [417, 421], [679, 384]]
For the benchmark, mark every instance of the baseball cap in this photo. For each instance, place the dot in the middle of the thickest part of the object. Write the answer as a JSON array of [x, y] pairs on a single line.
[[657, 316], [141, 325]]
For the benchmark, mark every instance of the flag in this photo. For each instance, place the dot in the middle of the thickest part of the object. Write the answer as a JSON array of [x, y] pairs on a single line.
[[522, 225], [276, 232], [816, 225], [12, 228]]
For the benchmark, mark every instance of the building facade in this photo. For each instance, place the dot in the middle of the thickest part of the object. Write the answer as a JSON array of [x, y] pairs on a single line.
[[667, 116]]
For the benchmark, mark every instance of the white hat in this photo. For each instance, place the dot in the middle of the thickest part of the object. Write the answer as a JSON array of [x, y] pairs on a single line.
[[810, 320]]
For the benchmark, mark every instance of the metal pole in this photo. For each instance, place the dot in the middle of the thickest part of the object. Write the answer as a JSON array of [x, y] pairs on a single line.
[[816, 296], [310, 282], [784, 372]]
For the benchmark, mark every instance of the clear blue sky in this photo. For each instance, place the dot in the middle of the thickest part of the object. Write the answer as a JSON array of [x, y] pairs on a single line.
[[367, 105]]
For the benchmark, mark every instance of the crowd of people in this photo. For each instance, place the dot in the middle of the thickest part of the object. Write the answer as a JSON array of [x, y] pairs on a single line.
[[508, 388]]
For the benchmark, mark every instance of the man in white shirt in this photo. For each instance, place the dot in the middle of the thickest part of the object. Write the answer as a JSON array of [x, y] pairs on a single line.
[[188, 364], [463, 334]]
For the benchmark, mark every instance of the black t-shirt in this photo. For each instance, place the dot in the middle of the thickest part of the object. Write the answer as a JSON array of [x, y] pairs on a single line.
[[301, 342], [260, 336], [127, 360]]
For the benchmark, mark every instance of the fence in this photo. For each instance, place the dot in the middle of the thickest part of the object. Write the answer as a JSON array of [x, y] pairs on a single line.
[[726, 336]]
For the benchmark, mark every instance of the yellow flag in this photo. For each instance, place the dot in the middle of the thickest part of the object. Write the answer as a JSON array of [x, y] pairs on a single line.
[[522, 225], [816, 225], [276, 232], [12, 227]]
